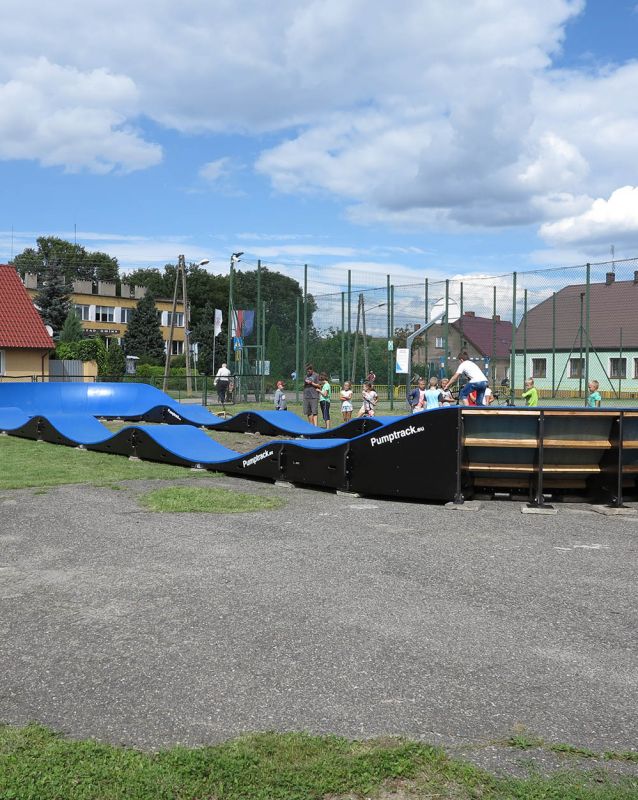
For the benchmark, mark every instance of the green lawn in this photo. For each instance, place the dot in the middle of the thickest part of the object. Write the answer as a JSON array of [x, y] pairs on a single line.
[[36, 764], [25, 463], [208, 500]]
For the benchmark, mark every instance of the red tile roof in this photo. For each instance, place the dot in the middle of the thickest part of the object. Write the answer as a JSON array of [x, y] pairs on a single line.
[[20, 323], [482, 334]]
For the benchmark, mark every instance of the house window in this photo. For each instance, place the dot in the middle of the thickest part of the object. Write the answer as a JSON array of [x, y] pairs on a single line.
[[636, 368], [82, 312], [125, 315], [576, 367], [177, 348], [439, 342], [539, 368], [2, 362], [179, 319], [617, 367], [104, 313]]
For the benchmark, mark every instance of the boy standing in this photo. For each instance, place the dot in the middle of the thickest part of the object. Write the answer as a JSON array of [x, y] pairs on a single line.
[[593, 401]]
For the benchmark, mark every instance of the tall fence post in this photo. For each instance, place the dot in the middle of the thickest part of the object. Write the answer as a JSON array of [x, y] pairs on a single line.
[[349, 340], [525, 376], [262, 380], [297, 349], [446, 327], [493, 358], [260, 342], [513, 362], [305, 316], [587, 324], [342, 373], [553, 344], [620, 369], [427, 315], [390, 337], [392, 329]]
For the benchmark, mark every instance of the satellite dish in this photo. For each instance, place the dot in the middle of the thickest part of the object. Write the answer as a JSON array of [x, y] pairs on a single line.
[[438, 310], [49, 330]]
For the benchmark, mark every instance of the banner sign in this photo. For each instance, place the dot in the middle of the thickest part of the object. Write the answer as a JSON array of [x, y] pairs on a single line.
[[237, 343], [402, 360], [218, 321]]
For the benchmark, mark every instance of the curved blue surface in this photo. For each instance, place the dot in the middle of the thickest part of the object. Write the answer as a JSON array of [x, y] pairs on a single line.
[[13, 418], [137, 401]]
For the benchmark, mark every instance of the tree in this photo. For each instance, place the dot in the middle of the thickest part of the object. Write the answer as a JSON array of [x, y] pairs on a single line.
[[72, 329], [74, 260], [53, 299], [274, 353], [115, 362], [143, 337]]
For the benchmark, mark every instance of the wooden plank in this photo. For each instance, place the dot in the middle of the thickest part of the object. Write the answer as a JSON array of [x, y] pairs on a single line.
[[584, 469], [480, 441], [587, 444], [585, 412], [493, 412]]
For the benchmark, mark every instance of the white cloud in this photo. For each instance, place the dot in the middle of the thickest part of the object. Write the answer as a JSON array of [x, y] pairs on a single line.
[[606, 220], [414, 114], [64, 117]]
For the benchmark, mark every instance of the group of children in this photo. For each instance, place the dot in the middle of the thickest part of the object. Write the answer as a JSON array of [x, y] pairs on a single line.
[[369, 399], [437, 394]]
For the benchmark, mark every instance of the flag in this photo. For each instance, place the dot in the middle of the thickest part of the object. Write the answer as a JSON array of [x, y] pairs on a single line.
[[243, 323], [218, 321]]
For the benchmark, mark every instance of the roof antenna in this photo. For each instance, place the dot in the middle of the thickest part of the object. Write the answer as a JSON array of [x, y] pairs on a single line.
[[613, 264]]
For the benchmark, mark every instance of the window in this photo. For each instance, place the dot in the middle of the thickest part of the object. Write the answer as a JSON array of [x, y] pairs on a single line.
[[177, 348], [125, 315], [179, 319], [576, 367], [82, 312], [617, 367], [635, 367], [104, 313], [1, 362], [539, 368], [439, 342]]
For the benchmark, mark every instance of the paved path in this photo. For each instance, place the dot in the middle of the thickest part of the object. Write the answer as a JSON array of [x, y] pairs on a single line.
[[334, 614]]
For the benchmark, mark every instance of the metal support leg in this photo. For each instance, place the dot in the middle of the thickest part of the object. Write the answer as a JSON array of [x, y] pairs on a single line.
[[539, 500]]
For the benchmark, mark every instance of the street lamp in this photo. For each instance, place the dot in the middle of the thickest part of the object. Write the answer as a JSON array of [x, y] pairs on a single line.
[[234, 259]]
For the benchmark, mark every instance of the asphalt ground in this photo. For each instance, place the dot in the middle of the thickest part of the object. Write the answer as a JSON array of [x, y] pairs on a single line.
[[334, 614]]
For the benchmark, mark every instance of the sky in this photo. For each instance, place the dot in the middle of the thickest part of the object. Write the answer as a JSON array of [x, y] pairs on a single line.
[[414, 138]]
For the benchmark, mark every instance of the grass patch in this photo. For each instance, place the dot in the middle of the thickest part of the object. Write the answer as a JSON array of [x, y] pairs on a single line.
[[211, 501], [25, 463], [36, 763]]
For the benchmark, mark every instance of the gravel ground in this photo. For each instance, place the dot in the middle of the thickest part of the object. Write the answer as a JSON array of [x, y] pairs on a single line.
[[337, 614]]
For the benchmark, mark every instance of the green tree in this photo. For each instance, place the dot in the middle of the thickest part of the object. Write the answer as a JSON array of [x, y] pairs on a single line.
[[274, 354], [74, 260], [143, 337], [115, 361], [53, 299], [72, 329]]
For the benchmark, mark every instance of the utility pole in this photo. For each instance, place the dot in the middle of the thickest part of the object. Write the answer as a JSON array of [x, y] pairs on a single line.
[[180, 278]]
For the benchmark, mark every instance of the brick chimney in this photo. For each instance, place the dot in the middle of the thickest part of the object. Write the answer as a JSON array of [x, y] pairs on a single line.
[[610, 278], [496, 317], [636, 276], [469, 314]]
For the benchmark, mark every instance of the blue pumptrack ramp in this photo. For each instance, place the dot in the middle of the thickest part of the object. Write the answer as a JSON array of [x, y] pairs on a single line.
[[138, 401]]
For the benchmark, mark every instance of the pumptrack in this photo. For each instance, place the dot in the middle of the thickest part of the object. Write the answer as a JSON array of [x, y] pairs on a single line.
[[438, 455]]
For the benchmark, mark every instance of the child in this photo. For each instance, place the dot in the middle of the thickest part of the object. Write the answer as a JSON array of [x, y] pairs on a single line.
[[324, 398], [447, 398], [593, 401], [370, 398], [280, 397], [346, 401], [531, 395], [416, 398], [433, 394]]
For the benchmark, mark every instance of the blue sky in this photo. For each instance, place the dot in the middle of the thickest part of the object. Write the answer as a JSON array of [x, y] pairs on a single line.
[[414, 138]]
